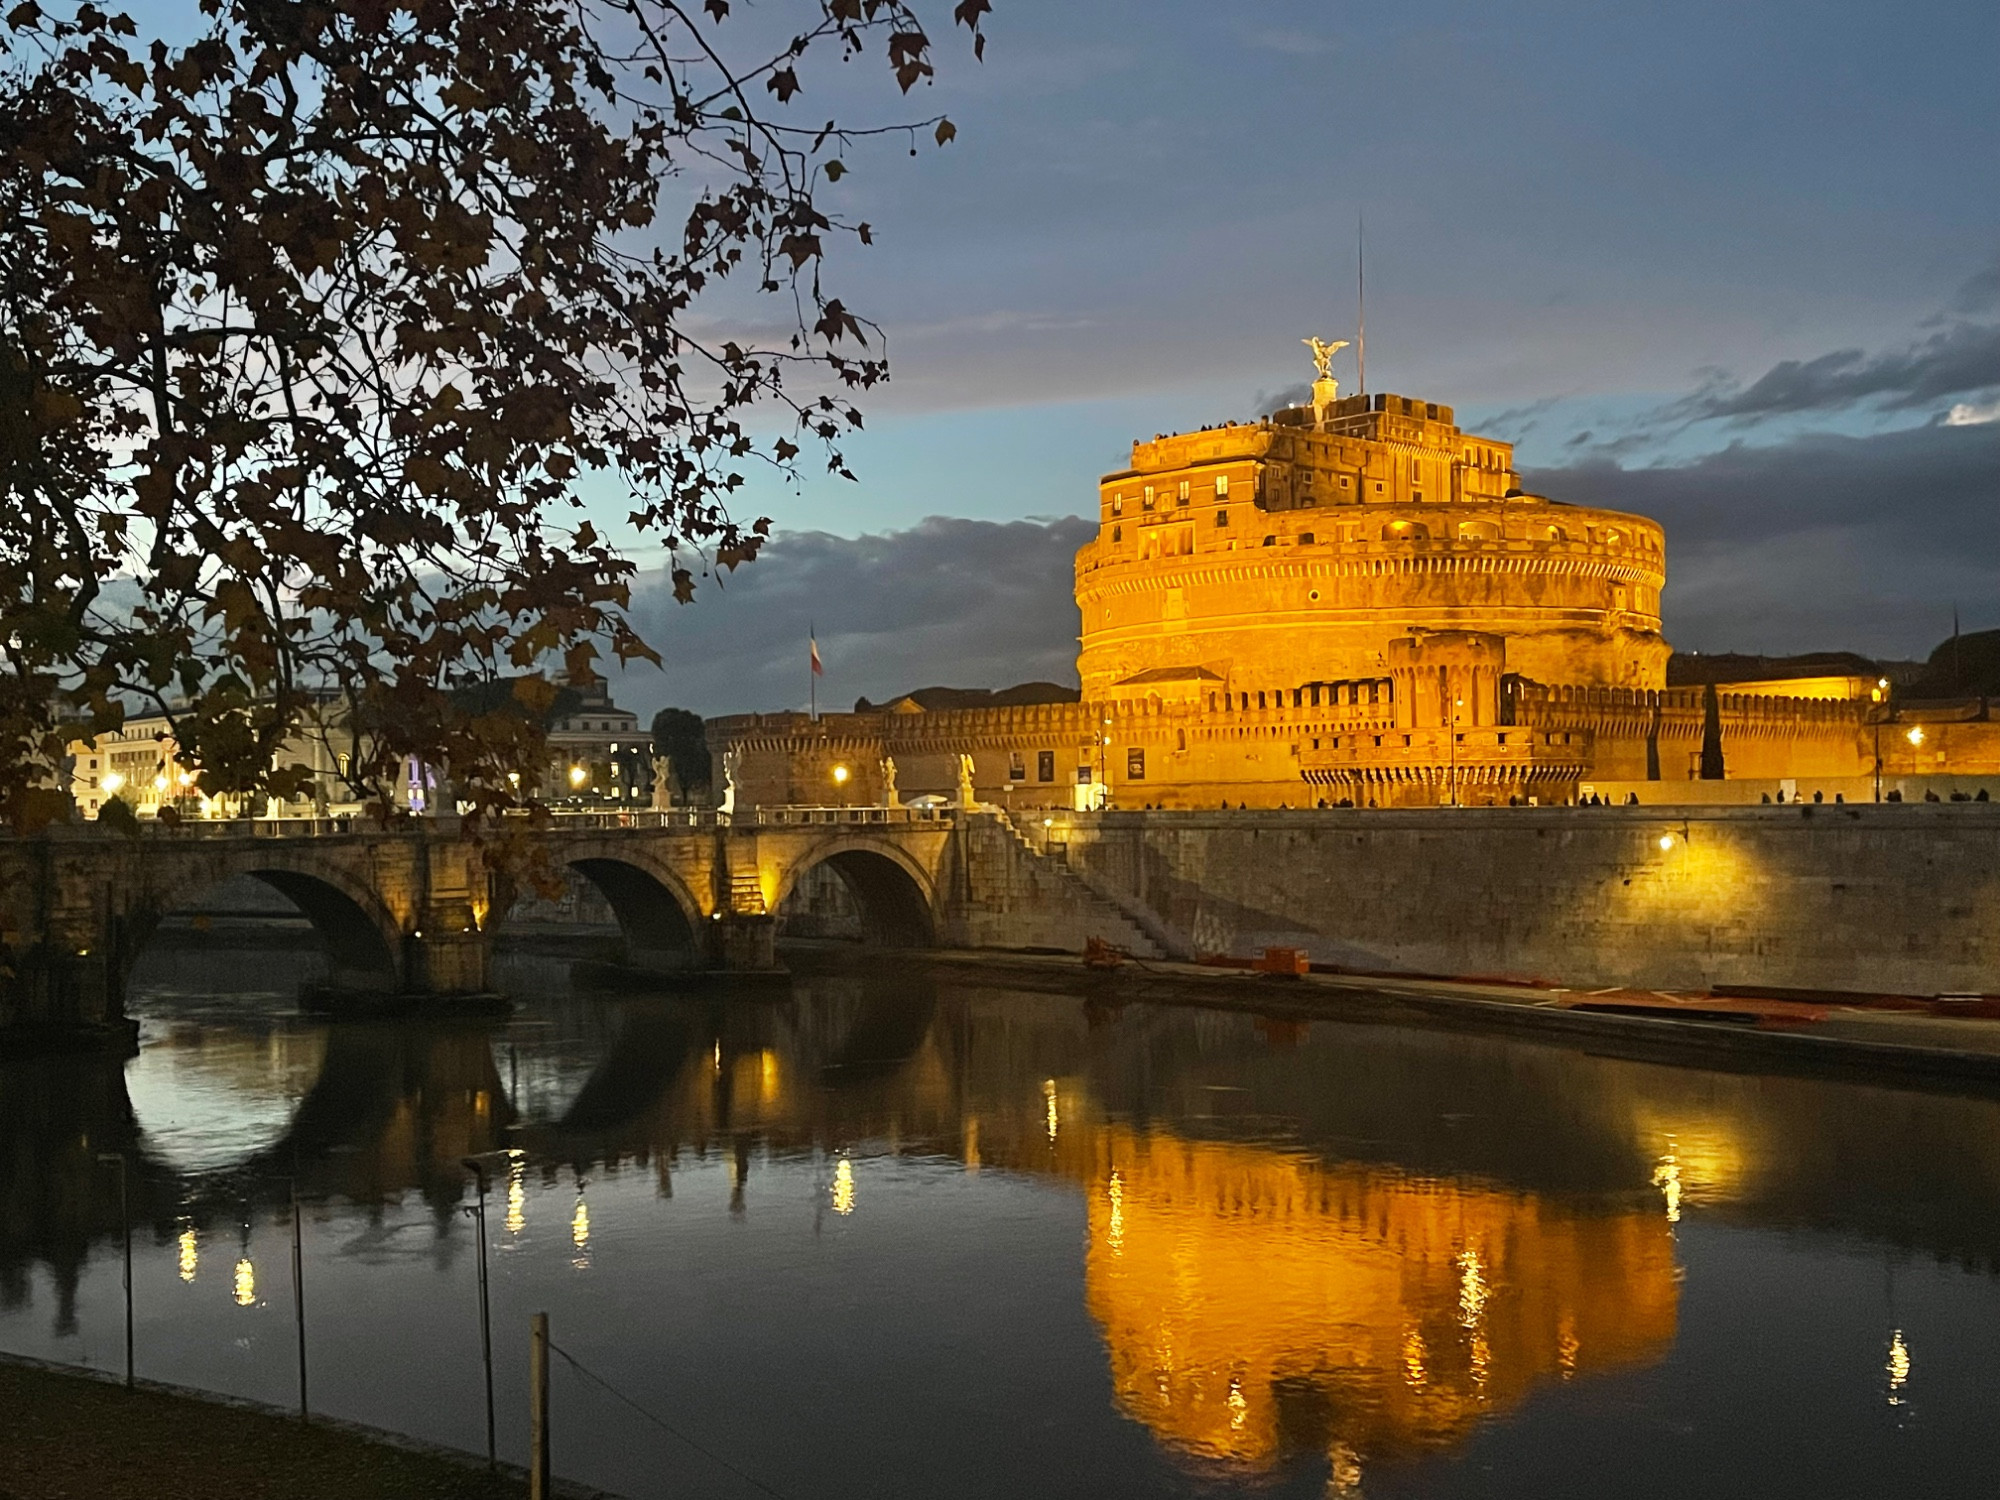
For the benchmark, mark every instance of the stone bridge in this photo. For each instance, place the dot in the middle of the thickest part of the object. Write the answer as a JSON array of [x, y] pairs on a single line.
[[409, 911]]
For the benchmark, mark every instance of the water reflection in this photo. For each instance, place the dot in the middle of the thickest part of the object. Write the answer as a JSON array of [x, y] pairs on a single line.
[[1256, 1302], [1348, 1244]]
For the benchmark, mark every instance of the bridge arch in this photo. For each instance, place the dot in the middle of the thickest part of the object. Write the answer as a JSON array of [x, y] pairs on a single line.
[[658, 917], [359, 936], [895, 894]]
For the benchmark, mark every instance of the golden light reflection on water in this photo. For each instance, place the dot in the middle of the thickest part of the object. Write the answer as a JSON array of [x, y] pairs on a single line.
[[246, 1283], [1049, 1094], [843, 1186], [517, 1194], [769, 1081], [190, 1255], [1898, 1368], [1667, 1178], [1254, 1301]]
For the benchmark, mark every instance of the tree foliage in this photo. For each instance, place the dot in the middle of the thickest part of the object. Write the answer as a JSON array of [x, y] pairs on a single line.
[[682, 739], [312, 320]]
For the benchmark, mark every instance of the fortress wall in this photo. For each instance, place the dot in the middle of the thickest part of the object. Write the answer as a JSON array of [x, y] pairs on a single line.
[[1893, 898]]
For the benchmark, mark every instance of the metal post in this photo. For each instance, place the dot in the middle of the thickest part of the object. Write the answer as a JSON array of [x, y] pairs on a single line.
[[117, 1159], [538, 1407], [1451, 747], [299, 1296], [478, 1171]]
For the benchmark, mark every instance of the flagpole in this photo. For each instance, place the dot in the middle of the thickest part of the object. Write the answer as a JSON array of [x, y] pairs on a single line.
[[812, 672], [1361, 300]]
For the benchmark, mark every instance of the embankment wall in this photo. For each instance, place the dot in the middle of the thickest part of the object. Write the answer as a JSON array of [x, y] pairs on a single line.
[[1893, 898]]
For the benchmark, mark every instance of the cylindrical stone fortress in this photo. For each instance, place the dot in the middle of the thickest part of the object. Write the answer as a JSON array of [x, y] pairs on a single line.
[[1292, 551]]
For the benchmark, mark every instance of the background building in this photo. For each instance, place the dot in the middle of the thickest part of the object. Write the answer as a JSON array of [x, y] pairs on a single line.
[[1354, 602]]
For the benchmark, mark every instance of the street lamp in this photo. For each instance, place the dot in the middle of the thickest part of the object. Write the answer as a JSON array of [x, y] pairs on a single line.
[[1451, 746], [1879, 694], [578, 776]]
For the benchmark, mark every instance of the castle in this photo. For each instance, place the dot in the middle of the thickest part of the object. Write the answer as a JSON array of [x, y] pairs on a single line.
[[1353, 602]]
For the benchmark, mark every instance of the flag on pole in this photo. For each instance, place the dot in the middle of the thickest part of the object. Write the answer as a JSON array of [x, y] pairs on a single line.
[[818, 670]]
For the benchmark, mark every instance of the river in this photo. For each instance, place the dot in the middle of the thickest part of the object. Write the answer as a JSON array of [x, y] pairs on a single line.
[[903, 1232]]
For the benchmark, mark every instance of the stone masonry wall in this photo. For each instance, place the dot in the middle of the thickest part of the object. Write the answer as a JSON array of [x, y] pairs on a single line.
[[1896, 899], [1021, 900]]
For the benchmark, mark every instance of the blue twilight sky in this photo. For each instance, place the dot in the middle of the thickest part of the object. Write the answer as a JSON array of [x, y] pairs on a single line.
[[1735, 265]]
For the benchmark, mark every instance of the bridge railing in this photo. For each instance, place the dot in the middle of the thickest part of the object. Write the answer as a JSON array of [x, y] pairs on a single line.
[[783, 816], [682, 818]]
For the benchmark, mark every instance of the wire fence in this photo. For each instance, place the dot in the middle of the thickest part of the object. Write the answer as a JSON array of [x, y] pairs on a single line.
[[663, 1424]]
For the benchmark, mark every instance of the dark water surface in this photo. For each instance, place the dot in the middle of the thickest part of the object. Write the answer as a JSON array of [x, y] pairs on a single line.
[[897, 1234]]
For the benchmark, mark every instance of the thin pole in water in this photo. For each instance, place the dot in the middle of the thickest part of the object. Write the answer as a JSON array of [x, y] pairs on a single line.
[[117, 1159], [478, 1171], [538, 1407], [299, 1295]]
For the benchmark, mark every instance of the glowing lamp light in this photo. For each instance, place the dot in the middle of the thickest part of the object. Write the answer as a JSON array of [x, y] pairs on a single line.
[[159, 783], [1666, 841], [1916, 734], [186, 778], [840, 775], [113, 782], [578, 776]]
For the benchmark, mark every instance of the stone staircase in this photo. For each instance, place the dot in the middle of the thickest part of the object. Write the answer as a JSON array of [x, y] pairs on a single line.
[[746, 893], [1025, 899]]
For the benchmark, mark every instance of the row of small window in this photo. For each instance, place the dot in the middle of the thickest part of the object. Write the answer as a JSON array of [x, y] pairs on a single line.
[[1312, 695], [1045, 766], [1221, 519], [1183, 493]]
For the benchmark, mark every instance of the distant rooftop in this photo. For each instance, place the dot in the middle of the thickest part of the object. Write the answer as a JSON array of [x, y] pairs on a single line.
[[938, 699]]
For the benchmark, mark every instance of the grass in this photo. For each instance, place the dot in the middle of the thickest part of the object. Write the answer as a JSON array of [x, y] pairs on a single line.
[[68, 1437]]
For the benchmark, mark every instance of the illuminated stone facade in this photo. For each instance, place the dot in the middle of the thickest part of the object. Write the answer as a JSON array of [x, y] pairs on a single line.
[[1291, 553], [1352, 602]]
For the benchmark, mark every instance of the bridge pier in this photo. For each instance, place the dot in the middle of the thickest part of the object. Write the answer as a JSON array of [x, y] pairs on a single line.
[[742, 943], [448, 955], [62, 998]]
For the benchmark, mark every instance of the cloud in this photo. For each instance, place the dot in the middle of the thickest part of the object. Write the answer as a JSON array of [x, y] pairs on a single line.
[[1951, 362], [1288, 42], [1970, 414], [1981, 292], [1819, 542], [961, 603], [1266, 402]]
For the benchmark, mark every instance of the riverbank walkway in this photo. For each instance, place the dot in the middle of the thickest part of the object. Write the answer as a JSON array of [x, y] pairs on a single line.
[[72, 1436], [1887, 1037]]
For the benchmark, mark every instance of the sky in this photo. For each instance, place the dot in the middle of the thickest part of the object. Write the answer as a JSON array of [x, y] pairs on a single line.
[[1733, 266]]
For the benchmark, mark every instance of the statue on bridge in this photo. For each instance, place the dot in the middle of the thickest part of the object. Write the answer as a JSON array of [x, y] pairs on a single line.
[[966, 796], [889, 797], [732, 763]]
